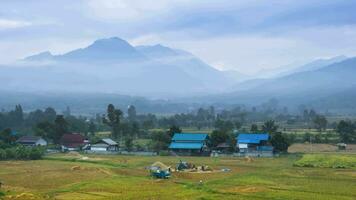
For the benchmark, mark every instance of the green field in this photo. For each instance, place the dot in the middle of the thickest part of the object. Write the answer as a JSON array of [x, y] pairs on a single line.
[[73, 176]]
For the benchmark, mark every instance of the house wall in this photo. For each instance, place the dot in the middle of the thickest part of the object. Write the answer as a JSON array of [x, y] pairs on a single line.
[[41, 142], [98, 149]]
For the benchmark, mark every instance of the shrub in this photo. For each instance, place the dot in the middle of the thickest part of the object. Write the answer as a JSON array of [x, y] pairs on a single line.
[[22, 153]]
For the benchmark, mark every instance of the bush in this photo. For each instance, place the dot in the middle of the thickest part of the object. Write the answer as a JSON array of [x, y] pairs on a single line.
[[22, 153]]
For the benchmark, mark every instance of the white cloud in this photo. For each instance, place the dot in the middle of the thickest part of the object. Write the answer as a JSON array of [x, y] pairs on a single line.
[[9, 24]]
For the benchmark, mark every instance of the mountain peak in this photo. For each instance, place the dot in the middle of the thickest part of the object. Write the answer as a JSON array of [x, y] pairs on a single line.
[[113, 43], [45, 55]]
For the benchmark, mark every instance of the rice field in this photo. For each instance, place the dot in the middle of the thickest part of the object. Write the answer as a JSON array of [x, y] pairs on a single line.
[[75, 176]]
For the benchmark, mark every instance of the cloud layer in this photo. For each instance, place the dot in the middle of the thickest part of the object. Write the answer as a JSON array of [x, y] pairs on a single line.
[[243, 35]]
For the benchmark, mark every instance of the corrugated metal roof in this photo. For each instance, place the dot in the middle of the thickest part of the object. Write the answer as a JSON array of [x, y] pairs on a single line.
[[189, 136], [251, 138], [28, 139], [182, 145], [109, 141]]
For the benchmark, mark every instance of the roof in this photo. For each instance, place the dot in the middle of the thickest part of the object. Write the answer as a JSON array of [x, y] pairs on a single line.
[[251, 138], [223, 145], [72, 139], [108, 141], [189, 136], [182, 145], [28, 139]]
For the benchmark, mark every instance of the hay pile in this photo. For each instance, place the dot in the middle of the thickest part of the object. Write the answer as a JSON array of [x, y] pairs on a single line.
[[160, 165]]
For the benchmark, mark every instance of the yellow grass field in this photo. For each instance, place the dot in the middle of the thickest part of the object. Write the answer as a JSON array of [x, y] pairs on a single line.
[[74, 176]]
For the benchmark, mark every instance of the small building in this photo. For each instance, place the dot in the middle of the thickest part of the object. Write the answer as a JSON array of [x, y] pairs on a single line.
[[254, 144], [72, 141], [31, 141], [105, 144], [189, 144]]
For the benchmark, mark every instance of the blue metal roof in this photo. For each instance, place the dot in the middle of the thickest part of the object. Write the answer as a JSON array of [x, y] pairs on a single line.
[[251, 138], [182, 145], [189, 137]]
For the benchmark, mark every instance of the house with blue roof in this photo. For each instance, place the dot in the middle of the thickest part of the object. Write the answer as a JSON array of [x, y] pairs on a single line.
[[253, 143], [189, 143]]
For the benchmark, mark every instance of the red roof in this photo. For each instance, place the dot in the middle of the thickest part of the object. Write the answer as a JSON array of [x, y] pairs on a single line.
[[72, 140]]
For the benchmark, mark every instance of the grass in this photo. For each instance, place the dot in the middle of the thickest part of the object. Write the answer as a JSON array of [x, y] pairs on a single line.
[[125, 177], [327, 161]]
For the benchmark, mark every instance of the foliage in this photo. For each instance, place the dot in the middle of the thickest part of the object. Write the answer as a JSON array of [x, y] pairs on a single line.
[[112, 119], [346, 130], [129, 143], [254, 128], [60, 128], [327, 161], [320, 122], [22, 153], [280, 142], [174, 129], [269, 127], [160, 141]]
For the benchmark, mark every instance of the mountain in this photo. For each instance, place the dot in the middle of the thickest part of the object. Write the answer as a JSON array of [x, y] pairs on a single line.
[[113, 65], [306, 87], [235, 76], [190, 64], [104, 50], [314, 65]]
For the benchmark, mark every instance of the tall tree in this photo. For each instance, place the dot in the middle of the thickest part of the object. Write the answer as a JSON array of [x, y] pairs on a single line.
[[112, 119], [131, 112], [174, 129], [280, 142], [269, 127], [320, 122], [346, 131], [254, 128], [60, 128]]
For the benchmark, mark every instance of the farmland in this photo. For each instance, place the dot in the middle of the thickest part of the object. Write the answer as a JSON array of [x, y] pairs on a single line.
[[76, 176]]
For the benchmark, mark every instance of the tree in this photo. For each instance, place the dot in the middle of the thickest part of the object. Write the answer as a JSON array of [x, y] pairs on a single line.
[[92, 128], [238, 125], [128, 143], [160, 141], [44, 129], [50, 114], [7, 137], [174, 129], [346, 131], [218, 137], [269, 127], [320, 122], [254, 128], [280, 142], [60, 128], [131, 112], [112, 119]]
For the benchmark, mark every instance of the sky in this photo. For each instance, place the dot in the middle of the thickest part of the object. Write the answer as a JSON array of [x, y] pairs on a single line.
[[248, 36]]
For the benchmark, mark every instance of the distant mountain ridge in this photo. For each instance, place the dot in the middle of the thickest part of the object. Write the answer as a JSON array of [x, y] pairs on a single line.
[[113, 65]]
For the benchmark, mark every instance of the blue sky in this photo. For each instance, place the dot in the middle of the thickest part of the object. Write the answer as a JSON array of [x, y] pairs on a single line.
[[248, 36]]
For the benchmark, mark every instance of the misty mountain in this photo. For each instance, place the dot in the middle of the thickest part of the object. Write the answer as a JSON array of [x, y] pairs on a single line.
[[104, 50], [311, 66], [212, 78], [114, 66], [306, 87]]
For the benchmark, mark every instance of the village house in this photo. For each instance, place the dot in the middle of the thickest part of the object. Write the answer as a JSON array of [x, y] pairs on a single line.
[[104, 145], [189, 144], [72, 142], [31, 141], [254, 144]]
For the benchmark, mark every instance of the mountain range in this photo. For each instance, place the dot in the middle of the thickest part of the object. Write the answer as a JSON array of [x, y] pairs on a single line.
[[113, 66]]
